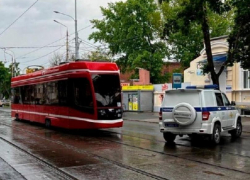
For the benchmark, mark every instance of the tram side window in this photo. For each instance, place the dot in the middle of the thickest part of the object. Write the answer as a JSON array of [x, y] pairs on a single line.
[[28, 94], [63, 93], [52, 93], [55, 93], [16, 96], [82, 95], [39, 100]]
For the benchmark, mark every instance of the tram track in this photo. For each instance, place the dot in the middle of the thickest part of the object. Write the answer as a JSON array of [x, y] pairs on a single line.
[[177, 156], [54, 169], [133, 146], [178, 144], [153, 176]]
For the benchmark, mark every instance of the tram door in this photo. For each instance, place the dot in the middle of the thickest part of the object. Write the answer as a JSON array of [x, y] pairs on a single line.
[[133, 102]]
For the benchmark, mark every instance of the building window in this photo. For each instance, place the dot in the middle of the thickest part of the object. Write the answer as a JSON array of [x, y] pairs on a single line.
[[246, 80]]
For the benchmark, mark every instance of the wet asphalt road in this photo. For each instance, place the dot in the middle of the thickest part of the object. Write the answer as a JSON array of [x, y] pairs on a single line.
[[136, 151]]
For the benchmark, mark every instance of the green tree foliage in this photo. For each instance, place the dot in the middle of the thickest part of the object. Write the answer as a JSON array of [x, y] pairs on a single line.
[[192, 15], [131, 30], [185, 44], [14, 68], [5, 80], [239, 39]]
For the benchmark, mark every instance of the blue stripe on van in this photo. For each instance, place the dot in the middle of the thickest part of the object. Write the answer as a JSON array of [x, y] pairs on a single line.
[[198, 109]]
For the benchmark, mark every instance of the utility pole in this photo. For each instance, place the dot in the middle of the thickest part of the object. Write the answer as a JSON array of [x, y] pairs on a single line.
[[12, 68], [67, 40], [67, 46], [76, 34], [13, 74]]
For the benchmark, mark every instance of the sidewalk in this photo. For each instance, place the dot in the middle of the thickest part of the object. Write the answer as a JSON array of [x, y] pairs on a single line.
[[151, 117]]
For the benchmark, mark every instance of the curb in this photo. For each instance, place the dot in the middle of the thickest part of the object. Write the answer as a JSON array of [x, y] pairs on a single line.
[[248, 116], [147, 121]]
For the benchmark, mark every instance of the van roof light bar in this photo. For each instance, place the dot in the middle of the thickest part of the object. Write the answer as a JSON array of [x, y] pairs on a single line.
[[212, 86]]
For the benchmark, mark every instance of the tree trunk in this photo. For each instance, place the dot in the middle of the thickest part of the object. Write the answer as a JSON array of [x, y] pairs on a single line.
[[206, 35]]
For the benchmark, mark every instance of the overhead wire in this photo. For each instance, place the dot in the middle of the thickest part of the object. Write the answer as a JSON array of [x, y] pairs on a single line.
[[85, 42], [64, 54], [18, 18], [89, 44], [26, 47], [46, 54], [52, 43]]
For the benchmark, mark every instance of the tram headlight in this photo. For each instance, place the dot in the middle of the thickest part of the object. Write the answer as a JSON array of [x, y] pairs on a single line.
[[102, 112]]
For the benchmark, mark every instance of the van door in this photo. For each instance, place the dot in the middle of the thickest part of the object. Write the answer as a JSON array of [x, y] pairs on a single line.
[[230, 113], [221, 111]]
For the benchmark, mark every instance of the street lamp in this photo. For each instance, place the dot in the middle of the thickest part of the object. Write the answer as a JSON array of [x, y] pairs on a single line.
[[76, 33], [67, 40]]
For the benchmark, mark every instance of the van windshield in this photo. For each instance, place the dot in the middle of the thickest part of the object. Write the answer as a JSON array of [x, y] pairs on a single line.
[[107, 90], [172, 98]]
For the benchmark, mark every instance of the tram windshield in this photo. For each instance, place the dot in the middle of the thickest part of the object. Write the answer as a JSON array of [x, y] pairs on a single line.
[[107, 90]]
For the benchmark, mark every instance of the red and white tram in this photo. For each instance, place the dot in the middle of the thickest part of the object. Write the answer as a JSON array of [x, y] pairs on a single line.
[[75, 95]]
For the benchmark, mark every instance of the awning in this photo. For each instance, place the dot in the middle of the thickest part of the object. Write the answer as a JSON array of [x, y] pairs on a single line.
[[218, 59]]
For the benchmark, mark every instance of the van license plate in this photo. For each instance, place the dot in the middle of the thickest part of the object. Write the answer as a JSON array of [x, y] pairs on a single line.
[[171, 125]]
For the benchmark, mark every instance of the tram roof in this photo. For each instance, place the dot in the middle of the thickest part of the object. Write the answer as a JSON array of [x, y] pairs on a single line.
[[88, 66]]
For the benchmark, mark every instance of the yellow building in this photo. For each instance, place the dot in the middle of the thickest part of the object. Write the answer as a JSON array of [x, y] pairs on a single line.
[[234, 81]]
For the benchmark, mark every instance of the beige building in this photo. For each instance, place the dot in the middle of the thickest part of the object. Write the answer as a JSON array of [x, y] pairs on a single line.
[[234, 81]]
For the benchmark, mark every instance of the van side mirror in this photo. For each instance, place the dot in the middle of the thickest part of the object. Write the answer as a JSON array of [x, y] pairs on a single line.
[[233, 103]]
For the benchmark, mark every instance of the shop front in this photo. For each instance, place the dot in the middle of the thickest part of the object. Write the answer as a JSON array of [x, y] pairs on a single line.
[[137, 98]]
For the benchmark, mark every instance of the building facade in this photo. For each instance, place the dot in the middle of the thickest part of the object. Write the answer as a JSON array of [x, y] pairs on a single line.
[[234, 81], [168, 67]]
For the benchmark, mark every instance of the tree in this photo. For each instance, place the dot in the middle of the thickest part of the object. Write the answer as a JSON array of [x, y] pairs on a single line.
[[98, 55], [191, 20], [186, 47], [56, 59], [5, 80], [132, 31], [239, 39], [16, 69]]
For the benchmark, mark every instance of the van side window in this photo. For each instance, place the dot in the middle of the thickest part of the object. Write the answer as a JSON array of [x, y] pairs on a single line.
[[226, 102], [219, 99], [209, 101]]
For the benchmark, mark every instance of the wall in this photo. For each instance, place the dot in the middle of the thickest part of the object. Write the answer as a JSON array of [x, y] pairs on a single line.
[[144, 77], [146, 101], [168, 67]]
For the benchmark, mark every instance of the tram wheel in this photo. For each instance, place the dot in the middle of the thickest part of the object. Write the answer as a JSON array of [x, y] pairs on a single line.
[[17, 117], [47, 123]]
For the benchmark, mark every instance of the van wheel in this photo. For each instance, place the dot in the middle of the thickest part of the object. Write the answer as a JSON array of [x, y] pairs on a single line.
[[237, 132], [47, 123], [215, 138], [169, 137]]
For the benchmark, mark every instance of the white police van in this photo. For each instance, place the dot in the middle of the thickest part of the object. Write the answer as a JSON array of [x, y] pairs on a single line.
[[198, 111]]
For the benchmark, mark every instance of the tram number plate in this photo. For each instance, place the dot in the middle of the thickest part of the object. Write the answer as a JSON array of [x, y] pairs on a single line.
[[171, 125]]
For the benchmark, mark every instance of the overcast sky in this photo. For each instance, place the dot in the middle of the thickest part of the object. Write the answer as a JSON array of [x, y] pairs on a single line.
[[36, 27]]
